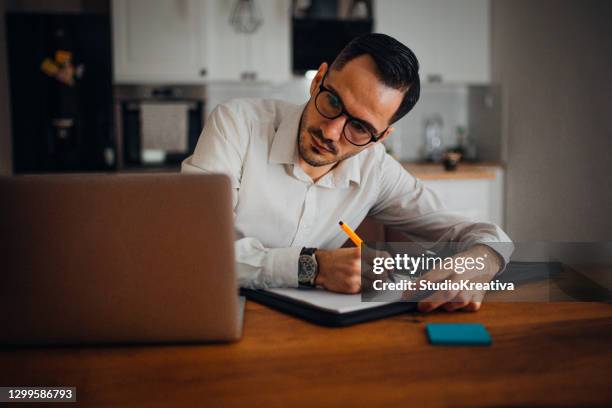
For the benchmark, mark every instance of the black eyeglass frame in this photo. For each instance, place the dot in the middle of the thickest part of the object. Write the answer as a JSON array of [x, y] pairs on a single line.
[[373, 138]]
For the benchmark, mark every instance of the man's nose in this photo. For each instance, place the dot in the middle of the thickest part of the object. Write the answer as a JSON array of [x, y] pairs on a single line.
[[332, 128]]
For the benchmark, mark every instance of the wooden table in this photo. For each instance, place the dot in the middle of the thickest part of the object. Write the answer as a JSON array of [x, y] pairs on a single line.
[[543, 354]]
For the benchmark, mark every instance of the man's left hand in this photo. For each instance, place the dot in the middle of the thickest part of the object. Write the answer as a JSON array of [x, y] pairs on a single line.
[[469, 301]]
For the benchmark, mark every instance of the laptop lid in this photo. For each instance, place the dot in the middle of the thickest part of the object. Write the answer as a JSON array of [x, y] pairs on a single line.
[[117, 258]]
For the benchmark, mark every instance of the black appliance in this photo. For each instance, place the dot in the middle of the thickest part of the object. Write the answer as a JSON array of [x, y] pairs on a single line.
[[128, 103], [61, 92], [323, 27]]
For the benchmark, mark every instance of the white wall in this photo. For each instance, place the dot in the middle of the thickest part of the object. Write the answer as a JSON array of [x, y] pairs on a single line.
[[450, 101], [553, 59]]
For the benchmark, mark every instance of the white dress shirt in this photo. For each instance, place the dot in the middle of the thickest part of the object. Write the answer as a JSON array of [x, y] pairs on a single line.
[[278, 209]]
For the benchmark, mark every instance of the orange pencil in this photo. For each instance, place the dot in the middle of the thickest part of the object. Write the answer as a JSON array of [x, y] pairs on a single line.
[[354, 237]]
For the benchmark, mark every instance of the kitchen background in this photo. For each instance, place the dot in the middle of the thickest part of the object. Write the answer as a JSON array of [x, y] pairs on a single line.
[[522, 88]]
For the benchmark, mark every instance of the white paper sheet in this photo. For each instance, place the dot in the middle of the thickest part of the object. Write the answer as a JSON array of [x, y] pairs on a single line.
[[329, 301]]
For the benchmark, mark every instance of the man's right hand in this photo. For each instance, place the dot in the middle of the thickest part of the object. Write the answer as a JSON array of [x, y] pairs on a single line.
[[339, 269]]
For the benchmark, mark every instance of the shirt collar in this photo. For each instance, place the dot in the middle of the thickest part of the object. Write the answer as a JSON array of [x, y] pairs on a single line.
[[284, 144], [343, 174], [284, 150]]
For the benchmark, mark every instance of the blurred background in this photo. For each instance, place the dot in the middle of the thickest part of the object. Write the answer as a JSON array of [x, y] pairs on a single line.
[[519, 89]]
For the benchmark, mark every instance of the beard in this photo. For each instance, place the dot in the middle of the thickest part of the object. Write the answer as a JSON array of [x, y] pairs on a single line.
[[313, 155]]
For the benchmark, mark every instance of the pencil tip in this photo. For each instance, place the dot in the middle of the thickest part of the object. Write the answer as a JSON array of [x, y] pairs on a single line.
[[340, 222]]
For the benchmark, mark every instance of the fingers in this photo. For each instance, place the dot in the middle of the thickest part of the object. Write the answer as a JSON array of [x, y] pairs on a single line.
[[436, 300], [450, 300], [460, 301], [354, 285], [455, 305], [340, 270], [436, 275], [433, 302], [349, 285], [472, 307], [463, 301], [476, 302], [430, 302]]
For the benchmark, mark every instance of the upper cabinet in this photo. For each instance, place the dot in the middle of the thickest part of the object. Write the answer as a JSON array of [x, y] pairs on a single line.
[[159, 40], [263, 55], [193, 41], [450, 38]]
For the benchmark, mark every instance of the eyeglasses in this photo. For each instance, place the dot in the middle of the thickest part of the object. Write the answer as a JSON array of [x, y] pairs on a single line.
[[330, 106]]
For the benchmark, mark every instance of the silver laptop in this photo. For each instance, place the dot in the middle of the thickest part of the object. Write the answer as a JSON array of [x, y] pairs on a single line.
[[117, 259]]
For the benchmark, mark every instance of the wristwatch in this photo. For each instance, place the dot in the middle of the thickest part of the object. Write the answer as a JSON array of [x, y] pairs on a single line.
[[307, 267]]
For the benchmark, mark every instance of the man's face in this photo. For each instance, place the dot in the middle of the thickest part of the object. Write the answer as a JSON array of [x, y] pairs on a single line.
[[363, 96]]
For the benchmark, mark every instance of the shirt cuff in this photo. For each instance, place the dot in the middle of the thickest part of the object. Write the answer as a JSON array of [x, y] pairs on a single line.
[[283, 266]]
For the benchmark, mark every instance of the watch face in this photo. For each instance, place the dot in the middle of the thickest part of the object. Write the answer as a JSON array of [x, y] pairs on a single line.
[[307, 269]]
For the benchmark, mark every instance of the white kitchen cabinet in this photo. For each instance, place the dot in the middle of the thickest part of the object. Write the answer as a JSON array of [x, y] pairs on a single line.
[[272, 42], [265, 53], [159, 40], [181, 41], [477, 199], [451, 38]]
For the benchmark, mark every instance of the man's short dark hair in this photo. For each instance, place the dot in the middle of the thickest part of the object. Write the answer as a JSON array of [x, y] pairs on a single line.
[[397, 65]]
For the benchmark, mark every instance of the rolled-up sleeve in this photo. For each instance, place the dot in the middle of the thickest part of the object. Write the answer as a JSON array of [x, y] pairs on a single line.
[[406, 204], [259, 267]]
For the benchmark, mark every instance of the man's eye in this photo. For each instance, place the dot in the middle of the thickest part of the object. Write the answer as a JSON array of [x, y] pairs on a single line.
[[333, 100], [358, 127]]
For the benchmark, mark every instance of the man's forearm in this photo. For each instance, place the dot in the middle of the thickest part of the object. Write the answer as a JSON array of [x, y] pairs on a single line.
[[258, 267]]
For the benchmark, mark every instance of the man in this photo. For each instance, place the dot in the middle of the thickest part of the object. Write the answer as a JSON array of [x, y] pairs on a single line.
[[297, 170]]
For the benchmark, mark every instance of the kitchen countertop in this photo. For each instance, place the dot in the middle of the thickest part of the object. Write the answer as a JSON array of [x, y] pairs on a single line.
[[464, 171]]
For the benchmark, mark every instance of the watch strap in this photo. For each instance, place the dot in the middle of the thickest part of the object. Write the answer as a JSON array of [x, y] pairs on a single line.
[[310, 253]]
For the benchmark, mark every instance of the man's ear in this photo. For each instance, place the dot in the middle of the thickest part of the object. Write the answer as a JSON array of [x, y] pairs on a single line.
[[386, 135], [314, 85]]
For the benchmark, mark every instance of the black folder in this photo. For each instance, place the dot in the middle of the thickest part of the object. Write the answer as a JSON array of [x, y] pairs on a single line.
[[516, 272], [325, 317]]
